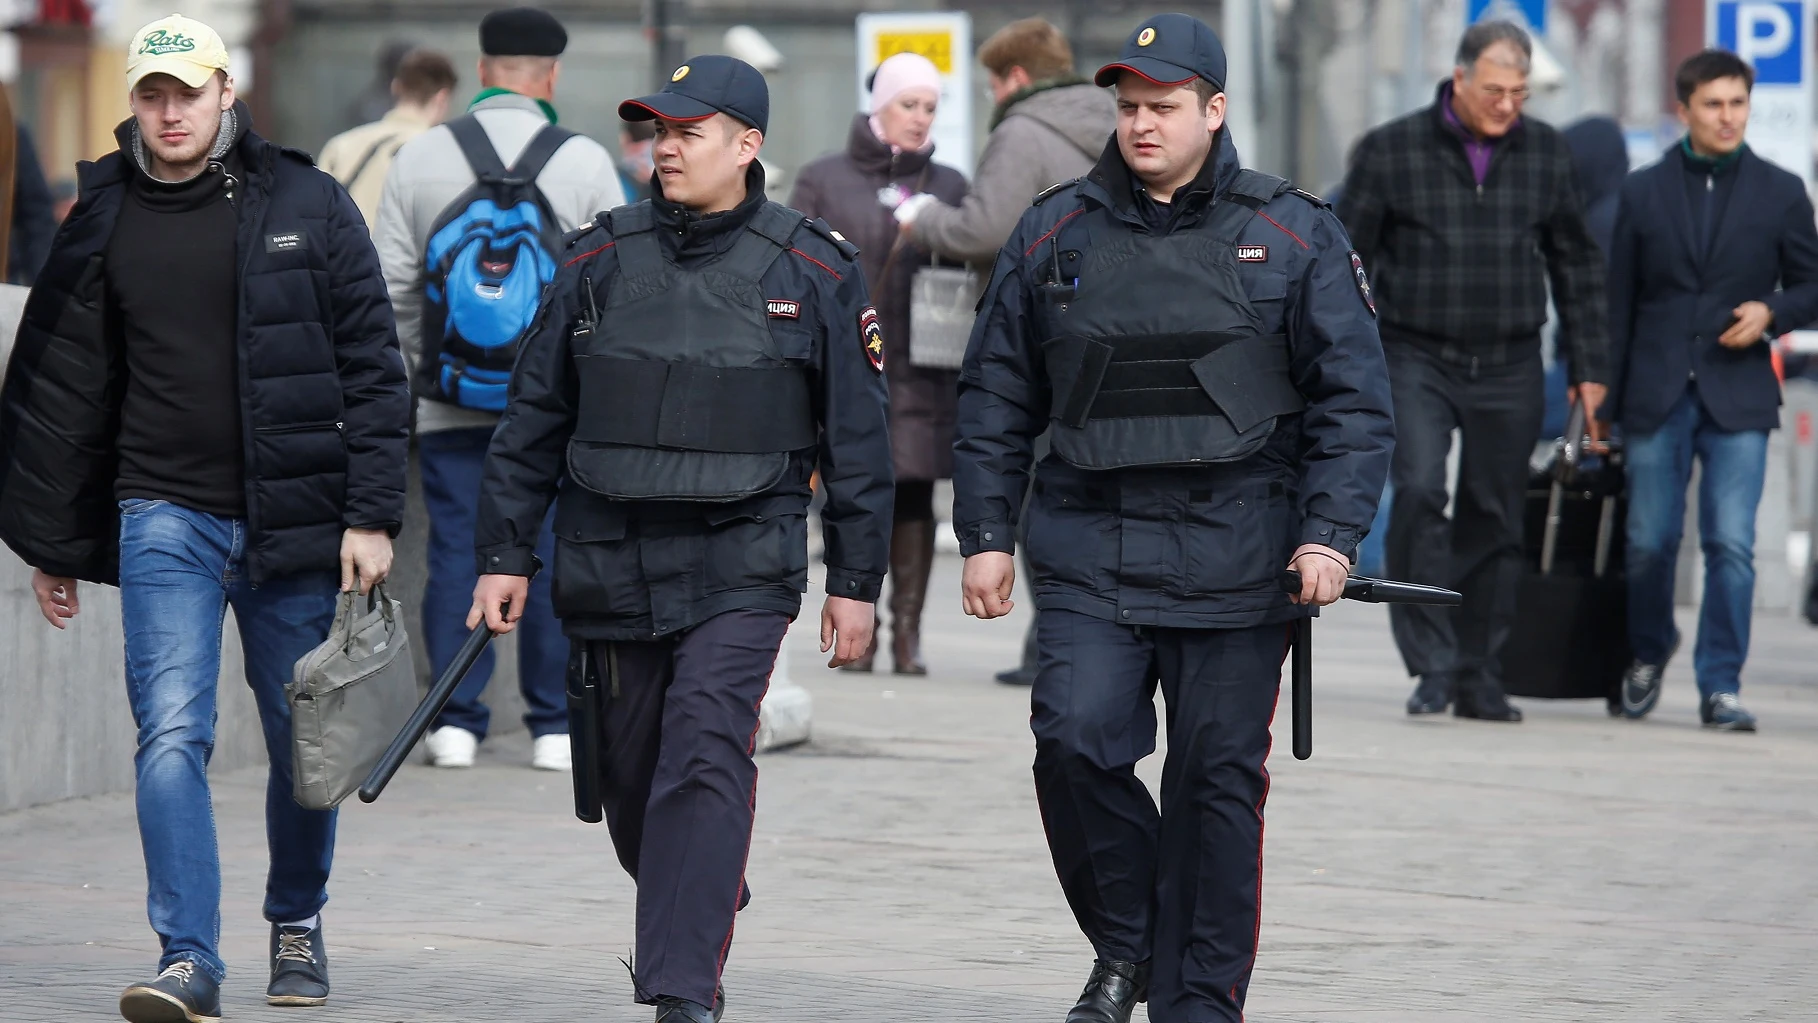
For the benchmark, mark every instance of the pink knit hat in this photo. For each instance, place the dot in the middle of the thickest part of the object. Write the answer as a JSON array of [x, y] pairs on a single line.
[[899, 74]]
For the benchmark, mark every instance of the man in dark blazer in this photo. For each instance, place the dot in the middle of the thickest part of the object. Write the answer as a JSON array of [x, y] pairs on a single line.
[[1714, 254]]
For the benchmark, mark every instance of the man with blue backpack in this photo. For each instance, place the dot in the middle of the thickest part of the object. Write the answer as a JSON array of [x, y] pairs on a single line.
[[469, 227]]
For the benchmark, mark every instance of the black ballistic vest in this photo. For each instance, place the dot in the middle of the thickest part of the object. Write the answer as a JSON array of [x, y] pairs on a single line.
[[1157, 356], [684, 393]]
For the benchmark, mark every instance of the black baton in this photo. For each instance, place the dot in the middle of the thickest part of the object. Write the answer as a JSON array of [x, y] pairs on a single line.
[[1300, 688], [1360, 588], [584, 732], [426, 712]]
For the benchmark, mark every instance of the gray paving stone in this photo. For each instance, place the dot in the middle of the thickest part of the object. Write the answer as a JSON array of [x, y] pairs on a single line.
[[1571, 868]]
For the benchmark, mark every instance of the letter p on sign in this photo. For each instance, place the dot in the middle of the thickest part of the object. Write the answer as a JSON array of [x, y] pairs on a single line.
[[1765, 33]]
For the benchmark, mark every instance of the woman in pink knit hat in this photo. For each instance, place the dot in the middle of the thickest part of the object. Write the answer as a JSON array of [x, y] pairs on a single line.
[[889, 158]]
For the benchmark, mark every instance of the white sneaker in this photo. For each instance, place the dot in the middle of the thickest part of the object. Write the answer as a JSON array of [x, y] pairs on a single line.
[[551, 753], [452, 747]]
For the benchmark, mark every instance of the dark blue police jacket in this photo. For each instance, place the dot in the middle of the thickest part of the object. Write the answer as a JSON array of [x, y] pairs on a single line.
[[630, 570], [1670, 303], [1189, 547]]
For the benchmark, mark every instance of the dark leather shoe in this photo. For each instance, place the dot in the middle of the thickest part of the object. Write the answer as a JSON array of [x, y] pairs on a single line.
[[299, 966], [1111, 992], [1432, 696], [681, 1010], [181, 994], [1484, 700], [1015, 677]]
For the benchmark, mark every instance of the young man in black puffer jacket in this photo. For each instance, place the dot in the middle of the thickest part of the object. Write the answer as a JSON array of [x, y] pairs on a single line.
[[206, 406]]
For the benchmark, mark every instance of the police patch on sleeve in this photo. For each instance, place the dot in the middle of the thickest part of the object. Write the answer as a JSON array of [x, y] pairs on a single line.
[[1363, 282], [872, 336]]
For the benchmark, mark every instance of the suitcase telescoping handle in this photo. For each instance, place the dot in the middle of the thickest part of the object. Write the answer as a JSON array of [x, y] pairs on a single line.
[[426, 712], [1360, 588]]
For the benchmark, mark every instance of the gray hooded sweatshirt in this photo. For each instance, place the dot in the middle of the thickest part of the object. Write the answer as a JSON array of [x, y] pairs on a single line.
[[1052, 135]]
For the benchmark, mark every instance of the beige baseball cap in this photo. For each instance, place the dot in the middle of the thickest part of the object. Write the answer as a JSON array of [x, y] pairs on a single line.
[[183, 48]]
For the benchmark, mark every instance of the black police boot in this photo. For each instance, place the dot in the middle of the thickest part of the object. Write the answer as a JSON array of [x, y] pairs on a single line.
[[911, 560], [181, 994], [299, 966], [1111, 992], [1482, 698], [681, 1010], [1433, 695]]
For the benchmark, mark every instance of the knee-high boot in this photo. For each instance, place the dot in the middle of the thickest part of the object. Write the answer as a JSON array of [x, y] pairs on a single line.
[[911, 560]]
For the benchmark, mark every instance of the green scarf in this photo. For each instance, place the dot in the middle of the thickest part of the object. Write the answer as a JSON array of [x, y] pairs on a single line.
[[1003, 109], [1710, 164], [486, 94]]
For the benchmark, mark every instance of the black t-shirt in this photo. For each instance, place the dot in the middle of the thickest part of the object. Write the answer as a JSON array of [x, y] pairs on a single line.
[[171, 278]]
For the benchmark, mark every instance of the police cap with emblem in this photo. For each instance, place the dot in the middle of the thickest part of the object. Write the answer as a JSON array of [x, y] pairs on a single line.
[[704, 86], [522, 32], [1169, 49]]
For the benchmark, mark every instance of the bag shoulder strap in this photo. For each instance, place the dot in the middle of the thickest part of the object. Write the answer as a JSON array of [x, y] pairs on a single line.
[[372, 151], [477, 147], [539, 150]]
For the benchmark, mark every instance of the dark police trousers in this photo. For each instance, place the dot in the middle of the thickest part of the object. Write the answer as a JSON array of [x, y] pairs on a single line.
[[1181, 887], [680, 787]]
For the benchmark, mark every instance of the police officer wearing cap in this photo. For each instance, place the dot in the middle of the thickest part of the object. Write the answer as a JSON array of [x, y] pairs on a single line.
[[1200, 342], [698, 355]]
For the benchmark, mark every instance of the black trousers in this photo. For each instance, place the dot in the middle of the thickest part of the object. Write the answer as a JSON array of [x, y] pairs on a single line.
[[680, 787], [1180, 887], [1497, 407]]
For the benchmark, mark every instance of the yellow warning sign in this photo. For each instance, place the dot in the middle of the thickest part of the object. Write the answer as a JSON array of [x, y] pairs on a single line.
[[937, 46]]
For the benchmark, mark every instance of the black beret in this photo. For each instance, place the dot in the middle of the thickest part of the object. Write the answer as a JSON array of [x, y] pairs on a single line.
[[522, 32]]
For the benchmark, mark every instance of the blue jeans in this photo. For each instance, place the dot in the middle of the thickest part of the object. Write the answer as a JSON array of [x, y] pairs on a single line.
[[451, 462], [179, 572], [1729, 490]]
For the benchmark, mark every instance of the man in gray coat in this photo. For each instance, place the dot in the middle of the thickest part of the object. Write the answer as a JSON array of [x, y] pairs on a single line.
[[578, 180], [1050, 126]]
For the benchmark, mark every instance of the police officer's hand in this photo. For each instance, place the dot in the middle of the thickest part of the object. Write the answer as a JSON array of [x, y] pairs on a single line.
[[849, 623], [986, 583], [1323, 572], [500, 600]]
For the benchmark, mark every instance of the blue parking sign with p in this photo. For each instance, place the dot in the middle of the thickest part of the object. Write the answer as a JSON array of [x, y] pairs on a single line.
[[1768, 34]]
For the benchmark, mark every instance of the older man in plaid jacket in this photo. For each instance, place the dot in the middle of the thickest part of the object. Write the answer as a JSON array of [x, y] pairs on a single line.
[[1462, 213]]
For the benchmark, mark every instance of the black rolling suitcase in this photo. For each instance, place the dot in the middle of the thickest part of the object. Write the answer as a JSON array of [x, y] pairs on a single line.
[[1571, 636]]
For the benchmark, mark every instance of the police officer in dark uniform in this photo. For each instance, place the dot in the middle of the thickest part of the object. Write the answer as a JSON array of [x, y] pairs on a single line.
[[1201, 343], [698, 354]]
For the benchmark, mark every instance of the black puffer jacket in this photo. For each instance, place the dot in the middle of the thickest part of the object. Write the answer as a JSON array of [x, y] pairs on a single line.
[[324, 400]]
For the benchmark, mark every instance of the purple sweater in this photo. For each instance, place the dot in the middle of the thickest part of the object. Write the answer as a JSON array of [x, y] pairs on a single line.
[[1478, 151]]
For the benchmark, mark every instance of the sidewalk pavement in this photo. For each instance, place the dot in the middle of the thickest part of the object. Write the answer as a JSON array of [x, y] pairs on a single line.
[[1573, 867]]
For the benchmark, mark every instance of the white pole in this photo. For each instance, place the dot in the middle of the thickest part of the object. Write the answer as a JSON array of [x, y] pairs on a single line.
[[1239, 36]]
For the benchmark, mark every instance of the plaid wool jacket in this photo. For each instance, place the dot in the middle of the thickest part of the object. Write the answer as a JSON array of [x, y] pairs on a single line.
[[1466, 266]]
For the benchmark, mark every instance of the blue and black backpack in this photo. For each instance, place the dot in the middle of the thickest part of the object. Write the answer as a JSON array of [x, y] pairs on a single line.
[[489, 255]]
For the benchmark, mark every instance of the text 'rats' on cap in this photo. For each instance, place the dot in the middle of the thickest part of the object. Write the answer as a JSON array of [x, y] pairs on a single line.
[[1169, 49], [704, 86], [522, 32], [180, 47]]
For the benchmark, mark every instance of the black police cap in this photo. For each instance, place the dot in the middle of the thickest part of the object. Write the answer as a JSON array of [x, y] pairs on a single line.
[[1169, 49], [522, 32], [704, 86]]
